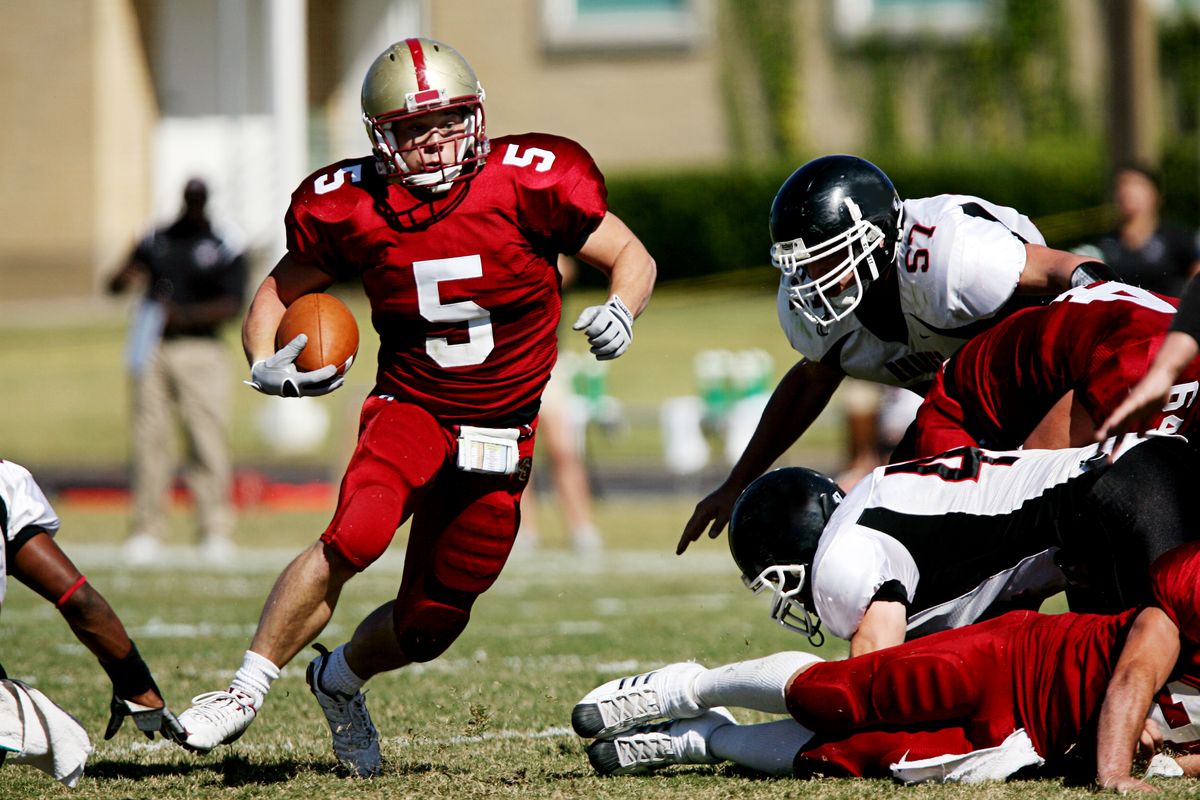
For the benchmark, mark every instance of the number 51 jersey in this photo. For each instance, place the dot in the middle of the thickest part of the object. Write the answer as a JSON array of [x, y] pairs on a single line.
[[464, 286]]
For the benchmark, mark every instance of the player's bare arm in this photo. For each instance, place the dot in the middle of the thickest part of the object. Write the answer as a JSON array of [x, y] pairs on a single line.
[[800, 397], [1050, 271], [41, 565], [614, 250], [1145, 664], [883, 625], [617, 252]]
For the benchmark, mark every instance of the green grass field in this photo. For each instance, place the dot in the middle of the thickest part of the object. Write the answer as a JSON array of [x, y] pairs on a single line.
[[489, 719]]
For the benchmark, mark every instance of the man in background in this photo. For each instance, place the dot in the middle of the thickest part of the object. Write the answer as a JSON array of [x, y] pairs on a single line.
[[194, 275]]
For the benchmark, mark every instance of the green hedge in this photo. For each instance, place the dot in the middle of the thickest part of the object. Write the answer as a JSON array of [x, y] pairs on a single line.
[[704, 222]]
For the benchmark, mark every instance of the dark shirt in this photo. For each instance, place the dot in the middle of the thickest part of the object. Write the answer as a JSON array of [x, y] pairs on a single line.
[[191, 263], [1161, 264]]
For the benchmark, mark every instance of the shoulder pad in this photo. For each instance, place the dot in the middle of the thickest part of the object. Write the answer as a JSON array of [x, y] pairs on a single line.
[[535, 158], [332, 193]]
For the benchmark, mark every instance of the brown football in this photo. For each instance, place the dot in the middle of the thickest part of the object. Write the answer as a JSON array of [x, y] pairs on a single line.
[[331, 329]]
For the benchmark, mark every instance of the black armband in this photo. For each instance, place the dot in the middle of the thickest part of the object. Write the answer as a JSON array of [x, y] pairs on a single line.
[[130, 676], [891, 591], [1187, 318], [1090, 272]]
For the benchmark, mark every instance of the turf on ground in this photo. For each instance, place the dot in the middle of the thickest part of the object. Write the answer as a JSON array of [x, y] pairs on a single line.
[[490, 719]]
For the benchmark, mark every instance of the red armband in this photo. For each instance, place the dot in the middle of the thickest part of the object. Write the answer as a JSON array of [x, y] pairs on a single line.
[[74, 588]]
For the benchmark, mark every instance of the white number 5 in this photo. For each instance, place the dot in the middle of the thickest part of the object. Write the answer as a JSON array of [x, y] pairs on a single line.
[[545, 158], [428, 275]]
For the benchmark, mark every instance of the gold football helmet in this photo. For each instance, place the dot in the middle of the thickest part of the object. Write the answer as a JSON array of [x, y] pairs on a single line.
[[414, 77]]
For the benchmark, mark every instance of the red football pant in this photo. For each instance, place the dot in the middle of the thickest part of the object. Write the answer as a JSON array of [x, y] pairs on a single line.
[[463, 524]]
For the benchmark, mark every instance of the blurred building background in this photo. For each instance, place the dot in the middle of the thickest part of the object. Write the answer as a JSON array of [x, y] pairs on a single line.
[[112, 104]]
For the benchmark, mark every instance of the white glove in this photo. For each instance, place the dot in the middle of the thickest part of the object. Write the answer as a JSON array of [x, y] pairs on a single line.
[[278, 374], [609, 328]]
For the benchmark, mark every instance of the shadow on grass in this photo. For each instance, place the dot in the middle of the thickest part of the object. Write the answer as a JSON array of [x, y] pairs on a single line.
[[234, 771]]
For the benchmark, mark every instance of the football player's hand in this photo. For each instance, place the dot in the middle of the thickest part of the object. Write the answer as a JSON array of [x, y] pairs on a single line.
[[1125, 784], [609, 328], [712, 513], [148, 720], [1145, 400], [278, 374]]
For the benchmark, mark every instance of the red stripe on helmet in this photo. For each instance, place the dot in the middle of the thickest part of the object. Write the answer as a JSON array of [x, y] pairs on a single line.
[[418, 57]]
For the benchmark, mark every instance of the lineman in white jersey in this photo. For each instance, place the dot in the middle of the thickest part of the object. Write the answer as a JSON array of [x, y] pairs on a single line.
[[941, 542], [882, 290], [32, 728]]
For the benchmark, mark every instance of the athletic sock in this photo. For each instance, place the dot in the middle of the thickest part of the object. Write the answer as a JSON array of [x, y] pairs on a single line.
[[757, 684], [255, 676], [769, 747], [336, 677]]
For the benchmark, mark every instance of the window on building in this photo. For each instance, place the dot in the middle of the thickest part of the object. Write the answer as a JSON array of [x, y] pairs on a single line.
[[855, 19], [622, 24]]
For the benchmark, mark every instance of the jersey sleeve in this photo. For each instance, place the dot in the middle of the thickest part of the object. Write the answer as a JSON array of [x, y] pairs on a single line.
[[561, 195], [849, 573], [1174, 577], [26, 508], [982, 261], [319, 204]]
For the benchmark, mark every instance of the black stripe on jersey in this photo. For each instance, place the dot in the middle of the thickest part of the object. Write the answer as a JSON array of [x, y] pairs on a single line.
[[1015, 303], [879, 311], [3, 519], [976, 210], [956, 552]]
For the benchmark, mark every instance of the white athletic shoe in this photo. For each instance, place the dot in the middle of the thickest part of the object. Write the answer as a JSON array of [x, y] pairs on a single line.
[[624, 703], [217, 718], [677, 741], [355, 739]]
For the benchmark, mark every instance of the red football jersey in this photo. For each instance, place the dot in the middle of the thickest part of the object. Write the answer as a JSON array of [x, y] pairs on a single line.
[[464, 288], [969, 688], [1096, 340]]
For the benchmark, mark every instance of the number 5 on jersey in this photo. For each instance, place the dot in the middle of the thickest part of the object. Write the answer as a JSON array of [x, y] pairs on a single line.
[[428, 276]]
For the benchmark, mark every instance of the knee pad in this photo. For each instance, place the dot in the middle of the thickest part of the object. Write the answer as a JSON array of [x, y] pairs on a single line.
[[365, 524], [426, 628], [830, 697], [921, 687]]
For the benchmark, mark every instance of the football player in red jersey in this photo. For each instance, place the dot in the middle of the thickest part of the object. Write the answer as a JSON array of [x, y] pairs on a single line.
[[1061, 692], [1096, 341], [455, 240]]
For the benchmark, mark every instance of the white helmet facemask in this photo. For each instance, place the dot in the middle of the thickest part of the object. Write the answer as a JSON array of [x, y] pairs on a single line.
[[823, 301], [785, 582]]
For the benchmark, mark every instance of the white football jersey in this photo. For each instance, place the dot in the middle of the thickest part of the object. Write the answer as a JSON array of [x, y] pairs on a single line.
[[958, 262], [958, 532], [22, 506]]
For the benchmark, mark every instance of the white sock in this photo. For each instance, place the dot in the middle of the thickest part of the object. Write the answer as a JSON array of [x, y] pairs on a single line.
[[757, 684], [337, 677], [254, 677], [768, 747]]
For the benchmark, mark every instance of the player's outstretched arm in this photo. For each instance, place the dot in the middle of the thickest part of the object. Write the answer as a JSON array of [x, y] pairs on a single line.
[[1050, 271], [800, 397], [1145, 664], [42, 566], [617, 252]]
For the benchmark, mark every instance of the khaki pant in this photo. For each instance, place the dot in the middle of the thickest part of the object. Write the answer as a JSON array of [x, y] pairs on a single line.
[[190, 376]]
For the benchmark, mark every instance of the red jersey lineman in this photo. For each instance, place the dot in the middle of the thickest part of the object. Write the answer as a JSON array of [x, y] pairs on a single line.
[[1096, 340], [1022, 690], [455, 240]]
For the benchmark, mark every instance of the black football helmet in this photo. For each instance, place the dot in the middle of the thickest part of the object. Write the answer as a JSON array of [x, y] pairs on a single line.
[[833, 205], [774, 529]]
